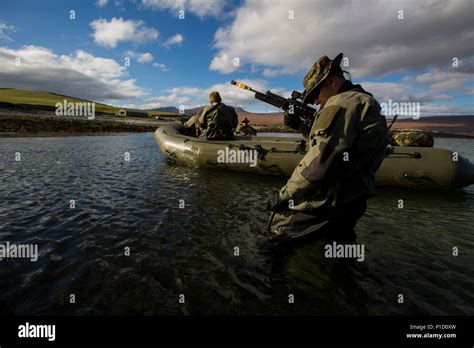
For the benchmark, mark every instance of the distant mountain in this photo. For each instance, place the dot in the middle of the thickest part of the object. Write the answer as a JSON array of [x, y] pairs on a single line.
[[171, 109], [192, 111]]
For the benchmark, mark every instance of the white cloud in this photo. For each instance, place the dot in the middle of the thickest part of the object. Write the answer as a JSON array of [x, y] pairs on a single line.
[[80, 74], [145, 58], [167, 100], [439, 80], [270, 72], [191, 97], [201, 8], [174, 40], [3, 28], [163, 67], [101, 3], [224, 63], [384, 91], [414, 92], [369, 33], [110, 33]]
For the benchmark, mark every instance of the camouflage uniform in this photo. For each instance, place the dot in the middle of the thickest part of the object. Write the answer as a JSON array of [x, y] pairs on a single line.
[[192, 121], [331, 184], [411, 138], [247, 131], [218, 121]]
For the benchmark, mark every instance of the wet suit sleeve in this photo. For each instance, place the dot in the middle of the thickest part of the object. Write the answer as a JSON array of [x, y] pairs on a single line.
[[332, 134]]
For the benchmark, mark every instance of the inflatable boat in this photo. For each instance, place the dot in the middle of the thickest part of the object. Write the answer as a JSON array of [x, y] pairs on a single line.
[[408, 167]]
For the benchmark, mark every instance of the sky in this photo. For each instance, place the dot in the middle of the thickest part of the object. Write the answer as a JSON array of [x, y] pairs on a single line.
[[179, 50]]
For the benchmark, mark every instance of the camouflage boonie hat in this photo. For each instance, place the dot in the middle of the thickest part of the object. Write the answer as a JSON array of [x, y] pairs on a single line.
[[246, 120], [316, 74]]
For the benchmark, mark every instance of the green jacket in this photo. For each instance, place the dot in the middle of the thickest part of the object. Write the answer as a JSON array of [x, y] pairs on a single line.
[[247, 131], [218, 121], [347, 144]]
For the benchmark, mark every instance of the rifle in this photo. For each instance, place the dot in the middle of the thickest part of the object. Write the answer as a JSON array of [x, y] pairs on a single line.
[[291, 105]]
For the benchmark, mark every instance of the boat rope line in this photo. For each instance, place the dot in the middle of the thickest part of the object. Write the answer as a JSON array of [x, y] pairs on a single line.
[[261, 152], [391, 152], [171, 154], [418, 178], [415, 155]]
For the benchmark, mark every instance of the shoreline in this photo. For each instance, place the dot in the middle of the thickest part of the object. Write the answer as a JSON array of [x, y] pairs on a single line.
[[27, 124], [6, 135]]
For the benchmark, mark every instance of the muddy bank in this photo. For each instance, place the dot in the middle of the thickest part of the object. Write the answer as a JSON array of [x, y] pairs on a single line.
[[19, 122], [46, 125]]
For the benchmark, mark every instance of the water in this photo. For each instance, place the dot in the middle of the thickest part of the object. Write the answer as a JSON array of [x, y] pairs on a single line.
[[189, 251]]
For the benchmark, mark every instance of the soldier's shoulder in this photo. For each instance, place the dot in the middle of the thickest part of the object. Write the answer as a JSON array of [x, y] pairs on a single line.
[[351, 98], [207, 108]]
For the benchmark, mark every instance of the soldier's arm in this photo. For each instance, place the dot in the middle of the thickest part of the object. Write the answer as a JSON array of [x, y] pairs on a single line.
[[202, 121], [332, 134]]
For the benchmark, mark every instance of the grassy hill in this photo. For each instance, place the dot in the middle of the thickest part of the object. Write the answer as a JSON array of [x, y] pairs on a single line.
[[38, 100], [46, 100]]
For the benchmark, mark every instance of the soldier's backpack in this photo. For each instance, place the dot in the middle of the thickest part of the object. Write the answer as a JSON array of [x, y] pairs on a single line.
[[411, 138]]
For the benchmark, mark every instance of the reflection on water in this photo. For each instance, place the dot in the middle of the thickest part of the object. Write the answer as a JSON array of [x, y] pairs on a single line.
[[190, 250]]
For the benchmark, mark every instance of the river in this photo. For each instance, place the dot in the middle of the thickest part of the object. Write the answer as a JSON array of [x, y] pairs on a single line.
[[86, 206]]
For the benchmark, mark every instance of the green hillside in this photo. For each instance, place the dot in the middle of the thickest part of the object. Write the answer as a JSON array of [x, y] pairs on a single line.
[[46, 100]]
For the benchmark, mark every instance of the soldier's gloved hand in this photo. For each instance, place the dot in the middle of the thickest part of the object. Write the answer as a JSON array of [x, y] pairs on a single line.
[[275, 204], [291, 120]]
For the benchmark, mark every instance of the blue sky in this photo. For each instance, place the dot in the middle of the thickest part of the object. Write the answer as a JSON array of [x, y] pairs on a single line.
[[402, 59]]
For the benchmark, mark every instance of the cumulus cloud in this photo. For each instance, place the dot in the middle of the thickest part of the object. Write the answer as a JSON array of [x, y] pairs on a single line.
[[174, 40], [110, 33], [430, 100], [3, 29], [140, 57], [439, 80], [161, 66], [172, 99], [270, 72], [201, 8], [369, 33], [145, 58], [80, 74], [191, 97]]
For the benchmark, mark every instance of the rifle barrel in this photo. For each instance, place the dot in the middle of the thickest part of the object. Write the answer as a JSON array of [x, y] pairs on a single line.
[[241, 85]]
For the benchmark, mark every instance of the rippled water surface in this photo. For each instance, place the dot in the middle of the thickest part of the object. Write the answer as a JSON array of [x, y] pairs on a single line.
[[190, 251]]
